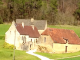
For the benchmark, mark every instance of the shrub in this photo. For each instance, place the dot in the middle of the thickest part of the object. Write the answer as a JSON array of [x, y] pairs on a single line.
[[2, 37], [8, 46], [45, 49]]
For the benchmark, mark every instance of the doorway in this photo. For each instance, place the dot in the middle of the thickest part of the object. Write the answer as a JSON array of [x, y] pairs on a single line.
[[66, 48], [30, 46]]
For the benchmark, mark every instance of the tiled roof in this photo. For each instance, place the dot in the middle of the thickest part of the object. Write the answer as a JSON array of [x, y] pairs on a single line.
[[40, 24], [59, 35], [27, 30]]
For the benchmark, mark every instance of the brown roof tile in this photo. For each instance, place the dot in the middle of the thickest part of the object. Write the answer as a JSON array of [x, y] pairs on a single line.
[[28, 30], [58, 35]]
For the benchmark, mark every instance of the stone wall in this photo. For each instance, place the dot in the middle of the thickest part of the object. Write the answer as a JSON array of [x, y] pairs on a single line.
[[61, 48], [57, 47]]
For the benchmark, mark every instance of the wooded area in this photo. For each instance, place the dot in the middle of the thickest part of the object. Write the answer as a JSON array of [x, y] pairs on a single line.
[[54, 11]]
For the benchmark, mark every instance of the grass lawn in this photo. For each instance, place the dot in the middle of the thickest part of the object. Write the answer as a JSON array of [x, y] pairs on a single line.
[[75, 28], [4, 28], [75, 58], [55, 56], [7, 54]]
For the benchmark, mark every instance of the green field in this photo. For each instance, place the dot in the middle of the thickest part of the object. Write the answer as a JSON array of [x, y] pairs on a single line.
[[4, 28], [75, 58], [56, 56]]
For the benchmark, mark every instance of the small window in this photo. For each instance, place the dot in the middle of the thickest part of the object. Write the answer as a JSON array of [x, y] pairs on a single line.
[[66, 41], [24, 39], [36, 40], [31, 40], [44, 39], [50, 30], [52, 45], [10, 32]]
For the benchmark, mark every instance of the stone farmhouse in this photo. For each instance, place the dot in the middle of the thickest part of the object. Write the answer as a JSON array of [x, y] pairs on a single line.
[[60, 40], [25, 37], [29, 34]]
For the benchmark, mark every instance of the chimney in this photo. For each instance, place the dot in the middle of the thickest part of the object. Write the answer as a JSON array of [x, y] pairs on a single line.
[[32, 19], [32, 23], [23, 24]]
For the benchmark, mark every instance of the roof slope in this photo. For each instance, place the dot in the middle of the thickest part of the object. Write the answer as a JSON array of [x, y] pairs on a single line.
[[58, 35], [28, 30], [40, 24]]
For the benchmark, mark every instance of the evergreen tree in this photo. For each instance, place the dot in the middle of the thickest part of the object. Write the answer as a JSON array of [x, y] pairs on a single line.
[[77, 13]]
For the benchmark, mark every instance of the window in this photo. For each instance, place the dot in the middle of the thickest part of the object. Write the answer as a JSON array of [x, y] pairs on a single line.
[[66, 41], [31, 40], [50, 30], [52, 45], [10, 32], [44, 39], [24, 39], [36, 40]]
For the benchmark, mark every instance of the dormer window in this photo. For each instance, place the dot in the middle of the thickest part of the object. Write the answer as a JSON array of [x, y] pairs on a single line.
[[50, 30], [66, 40]]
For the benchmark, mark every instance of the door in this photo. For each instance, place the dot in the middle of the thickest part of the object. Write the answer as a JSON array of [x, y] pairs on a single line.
[[24, 44], [66, 48], [30, 46]]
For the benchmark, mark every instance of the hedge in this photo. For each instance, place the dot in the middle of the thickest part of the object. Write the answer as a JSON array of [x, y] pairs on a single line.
[[2, 37]]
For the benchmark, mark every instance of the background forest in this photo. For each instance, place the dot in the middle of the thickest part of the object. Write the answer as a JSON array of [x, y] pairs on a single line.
[[57, 12]]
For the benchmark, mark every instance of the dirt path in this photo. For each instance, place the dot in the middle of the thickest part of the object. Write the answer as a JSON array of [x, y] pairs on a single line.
[[39, 56]]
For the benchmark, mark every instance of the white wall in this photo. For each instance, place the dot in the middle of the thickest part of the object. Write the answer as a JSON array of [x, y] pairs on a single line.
[[10, 34]]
